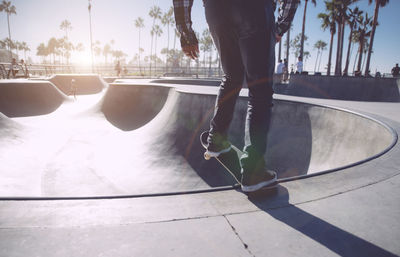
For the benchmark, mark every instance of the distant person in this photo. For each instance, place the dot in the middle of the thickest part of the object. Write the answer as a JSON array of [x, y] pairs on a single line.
[[299, 66], [285, 69], [396, 71], [125, 70], [279, 70], [118, 68], [13, 69], [24, 68], [73, 88]]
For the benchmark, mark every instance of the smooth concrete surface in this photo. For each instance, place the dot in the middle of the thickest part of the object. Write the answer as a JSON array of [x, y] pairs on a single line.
[[350, 212], [144, 139]]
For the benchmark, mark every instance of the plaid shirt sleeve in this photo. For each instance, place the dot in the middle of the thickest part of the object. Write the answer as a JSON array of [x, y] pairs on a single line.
[[287, 11], [182, 11]]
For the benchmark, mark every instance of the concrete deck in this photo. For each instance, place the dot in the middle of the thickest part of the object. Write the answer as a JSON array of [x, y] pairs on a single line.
[[353, 211]]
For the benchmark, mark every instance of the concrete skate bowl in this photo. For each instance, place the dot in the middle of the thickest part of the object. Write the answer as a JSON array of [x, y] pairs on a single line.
[[29, 98], [85, 84], [304, 139], [129, 145]]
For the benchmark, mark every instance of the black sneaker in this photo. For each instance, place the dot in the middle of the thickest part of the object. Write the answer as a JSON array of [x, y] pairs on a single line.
[[217, 145], [252, 182], [214, 150]]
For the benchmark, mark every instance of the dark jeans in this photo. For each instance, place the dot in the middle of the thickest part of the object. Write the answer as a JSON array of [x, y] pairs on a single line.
[[242, 31]]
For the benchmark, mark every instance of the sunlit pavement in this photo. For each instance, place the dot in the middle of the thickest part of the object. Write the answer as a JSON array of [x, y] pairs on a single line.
[[350, 212]]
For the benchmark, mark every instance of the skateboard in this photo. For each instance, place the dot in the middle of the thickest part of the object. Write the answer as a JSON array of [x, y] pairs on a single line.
[[231, 162]]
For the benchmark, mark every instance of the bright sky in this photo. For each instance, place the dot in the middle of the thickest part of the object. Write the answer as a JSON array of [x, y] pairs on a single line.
[[39, 20]]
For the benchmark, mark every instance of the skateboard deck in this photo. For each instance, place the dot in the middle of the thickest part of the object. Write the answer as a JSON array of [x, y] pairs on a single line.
[[231, 162]]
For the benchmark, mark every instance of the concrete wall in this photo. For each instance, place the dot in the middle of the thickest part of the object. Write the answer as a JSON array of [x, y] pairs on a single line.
[[342, 88]]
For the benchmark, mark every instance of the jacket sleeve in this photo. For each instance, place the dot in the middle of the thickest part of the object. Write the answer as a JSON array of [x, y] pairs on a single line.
[[182, 11], [287, 10]]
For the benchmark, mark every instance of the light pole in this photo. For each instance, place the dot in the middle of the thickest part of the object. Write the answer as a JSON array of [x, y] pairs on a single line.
[[91, 37]]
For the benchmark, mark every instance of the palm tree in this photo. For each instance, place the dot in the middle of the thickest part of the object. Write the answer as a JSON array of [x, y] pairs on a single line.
[[328, 21], [304, 26], [378, 3], [19, 47], [139, 24], [288, 46], [25, 48], [167, 20], [118, 54], [353, 16], [65, 25], [90, 32], [155, 13], [295, 44], [52, 47], [176, 34], [78, 47], [320, 46], [97, 49], [6, 6], [205, 44], [2, 44], [156, 31], [42, 51], [362, 33], [10, 44], [106, 52]]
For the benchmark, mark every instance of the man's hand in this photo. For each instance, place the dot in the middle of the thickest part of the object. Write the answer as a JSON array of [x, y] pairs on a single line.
[[191, 51], [278, 38]]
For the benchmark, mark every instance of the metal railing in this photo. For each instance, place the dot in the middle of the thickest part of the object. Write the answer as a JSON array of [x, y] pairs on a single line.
[[194, 71]]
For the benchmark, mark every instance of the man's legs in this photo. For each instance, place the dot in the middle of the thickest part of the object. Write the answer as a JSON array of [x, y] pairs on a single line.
[[258, 55], [243, 36], [226, 41]]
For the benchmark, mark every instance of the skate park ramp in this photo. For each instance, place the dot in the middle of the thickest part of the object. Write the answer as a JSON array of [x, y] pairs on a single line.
[[143, 139], [85, 84], [19, 98]]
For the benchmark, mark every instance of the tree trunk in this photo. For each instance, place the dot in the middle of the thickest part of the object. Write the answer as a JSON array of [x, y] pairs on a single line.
[[140, 69], [330, 55], [341, 47], [280, 50], [320, 58], [371, 40], [361, 49], [346, 68], [166, 59], [9, 35], [155, 55], [287, 48], [316, 61], [337, 68], [303, 30], [355, 61], [209, 62]]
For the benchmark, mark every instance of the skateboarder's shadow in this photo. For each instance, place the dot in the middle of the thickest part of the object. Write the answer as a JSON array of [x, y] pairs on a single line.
[[334, 238]]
